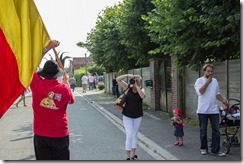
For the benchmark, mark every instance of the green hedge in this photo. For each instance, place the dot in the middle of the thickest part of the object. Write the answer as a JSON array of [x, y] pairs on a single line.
[[77, 74], [101, 86]]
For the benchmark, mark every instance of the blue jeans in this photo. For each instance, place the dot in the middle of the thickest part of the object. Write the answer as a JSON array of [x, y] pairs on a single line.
[[203, 124], [72, 87], [90, 85], [115, 90]]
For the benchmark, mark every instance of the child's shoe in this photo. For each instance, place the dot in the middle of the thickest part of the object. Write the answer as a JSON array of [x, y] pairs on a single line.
[[176, 143]]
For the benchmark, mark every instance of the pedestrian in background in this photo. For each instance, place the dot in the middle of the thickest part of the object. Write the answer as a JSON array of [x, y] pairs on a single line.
[[90, 80], [132, 113], [84, 82], [177, 122], [49, 101], [22, 98], [207, 89], [72, 82], [95, 81], [115, 88]]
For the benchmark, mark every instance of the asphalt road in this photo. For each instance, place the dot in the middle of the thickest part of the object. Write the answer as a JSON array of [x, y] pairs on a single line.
[[92, 135], [97, 134]]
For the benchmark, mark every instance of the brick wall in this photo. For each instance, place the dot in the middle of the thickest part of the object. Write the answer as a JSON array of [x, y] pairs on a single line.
[[154, 73]]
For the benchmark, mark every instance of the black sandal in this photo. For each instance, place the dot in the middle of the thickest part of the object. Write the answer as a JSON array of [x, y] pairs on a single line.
[[128, 159], [135, 157]]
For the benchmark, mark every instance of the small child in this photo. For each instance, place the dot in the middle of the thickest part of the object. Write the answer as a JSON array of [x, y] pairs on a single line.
[[177, 122]]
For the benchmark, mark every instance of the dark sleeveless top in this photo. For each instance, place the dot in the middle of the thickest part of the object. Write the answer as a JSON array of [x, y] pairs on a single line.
[[133, 107]]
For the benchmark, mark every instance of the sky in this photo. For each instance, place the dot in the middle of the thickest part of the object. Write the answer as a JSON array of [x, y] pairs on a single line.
[[69, 21]]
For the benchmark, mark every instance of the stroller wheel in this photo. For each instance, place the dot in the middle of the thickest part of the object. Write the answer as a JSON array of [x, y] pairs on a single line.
[[226, 147]]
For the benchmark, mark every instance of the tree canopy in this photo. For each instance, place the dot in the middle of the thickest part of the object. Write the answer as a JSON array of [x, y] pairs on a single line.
[[128, 34], [196, 31], [103, 42], [119, 40]]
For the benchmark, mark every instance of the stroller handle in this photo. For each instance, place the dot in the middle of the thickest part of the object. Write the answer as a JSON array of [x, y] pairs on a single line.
[[233, 99]]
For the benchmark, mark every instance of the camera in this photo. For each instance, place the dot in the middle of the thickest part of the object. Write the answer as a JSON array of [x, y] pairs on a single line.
[[132, 81]]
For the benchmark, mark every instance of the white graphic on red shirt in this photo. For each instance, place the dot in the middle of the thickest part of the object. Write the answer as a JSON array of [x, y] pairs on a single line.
[[48, 102], [58, 97]]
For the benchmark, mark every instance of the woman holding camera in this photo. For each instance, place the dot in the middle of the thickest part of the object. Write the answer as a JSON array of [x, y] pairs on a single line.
[[133, 112]]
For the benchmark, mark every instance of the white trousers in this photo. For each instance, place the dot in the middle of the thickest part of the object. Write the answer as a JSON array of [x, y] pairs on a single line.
[[131, 128]]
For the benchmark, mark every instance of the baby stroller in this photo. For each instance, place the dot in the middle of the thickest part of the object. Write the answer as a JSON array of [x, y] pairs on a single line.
[[230, 117]]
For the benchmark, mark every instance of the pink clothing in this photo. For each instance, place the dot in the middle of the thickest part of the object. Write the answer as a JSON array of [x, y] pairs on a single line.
[[49, 101]]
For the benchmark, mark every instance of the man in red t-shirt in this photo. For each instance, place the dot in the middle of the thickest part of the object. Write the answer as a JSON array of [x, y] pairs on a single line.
[[49, 101]]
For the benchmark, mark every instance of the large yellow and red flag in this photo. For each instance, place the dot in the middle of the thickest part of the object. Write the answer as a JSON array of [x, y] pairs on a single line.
[[22, 39]]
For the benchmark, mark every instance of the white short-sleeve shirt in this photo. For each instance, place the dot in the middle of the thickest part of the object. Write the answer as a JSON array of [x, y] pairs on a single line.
[[90, 79], [207, 102], [84, 79]]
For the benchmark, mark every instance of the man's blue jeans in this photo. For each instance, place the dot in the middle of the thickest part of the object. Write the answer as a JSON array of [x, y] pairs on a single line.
[[203, 124], [115, 91]]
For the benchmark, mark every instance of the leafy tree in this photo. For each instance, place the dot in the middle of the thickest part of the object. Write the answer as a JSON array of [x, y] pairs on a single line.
[[119, 40], [104, 43], [133, 33], [96, 69], [195, 30]]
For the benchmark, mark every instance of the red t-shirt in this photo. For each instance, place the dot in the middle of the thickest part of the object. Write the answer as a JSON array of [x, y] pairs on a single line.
[[49, 101]]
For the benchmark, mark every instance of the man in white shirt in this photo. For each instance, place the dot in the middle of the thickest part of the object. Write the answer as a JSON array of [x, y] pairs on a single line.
[[84, 81], [90, 79], [207, 89]]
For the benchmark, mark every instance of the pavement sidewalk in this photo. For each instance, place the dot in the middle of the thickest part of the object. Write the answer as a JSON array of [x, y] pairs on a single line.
[[158, 132]]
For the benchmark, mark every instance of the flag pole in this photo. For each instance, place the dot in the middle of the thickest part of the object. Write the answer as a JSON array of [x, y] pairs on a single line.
[[58, 59], [54, 50]]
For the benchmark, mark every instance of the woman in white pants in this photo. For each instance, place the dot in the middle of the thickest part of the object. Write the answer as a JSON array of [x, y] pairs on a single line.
[[133, 112]]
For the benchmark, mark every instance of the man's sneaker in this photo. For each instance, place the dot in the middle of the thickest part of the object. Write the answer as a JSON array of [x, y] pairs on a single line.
[[204, 151], [220, 154]]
